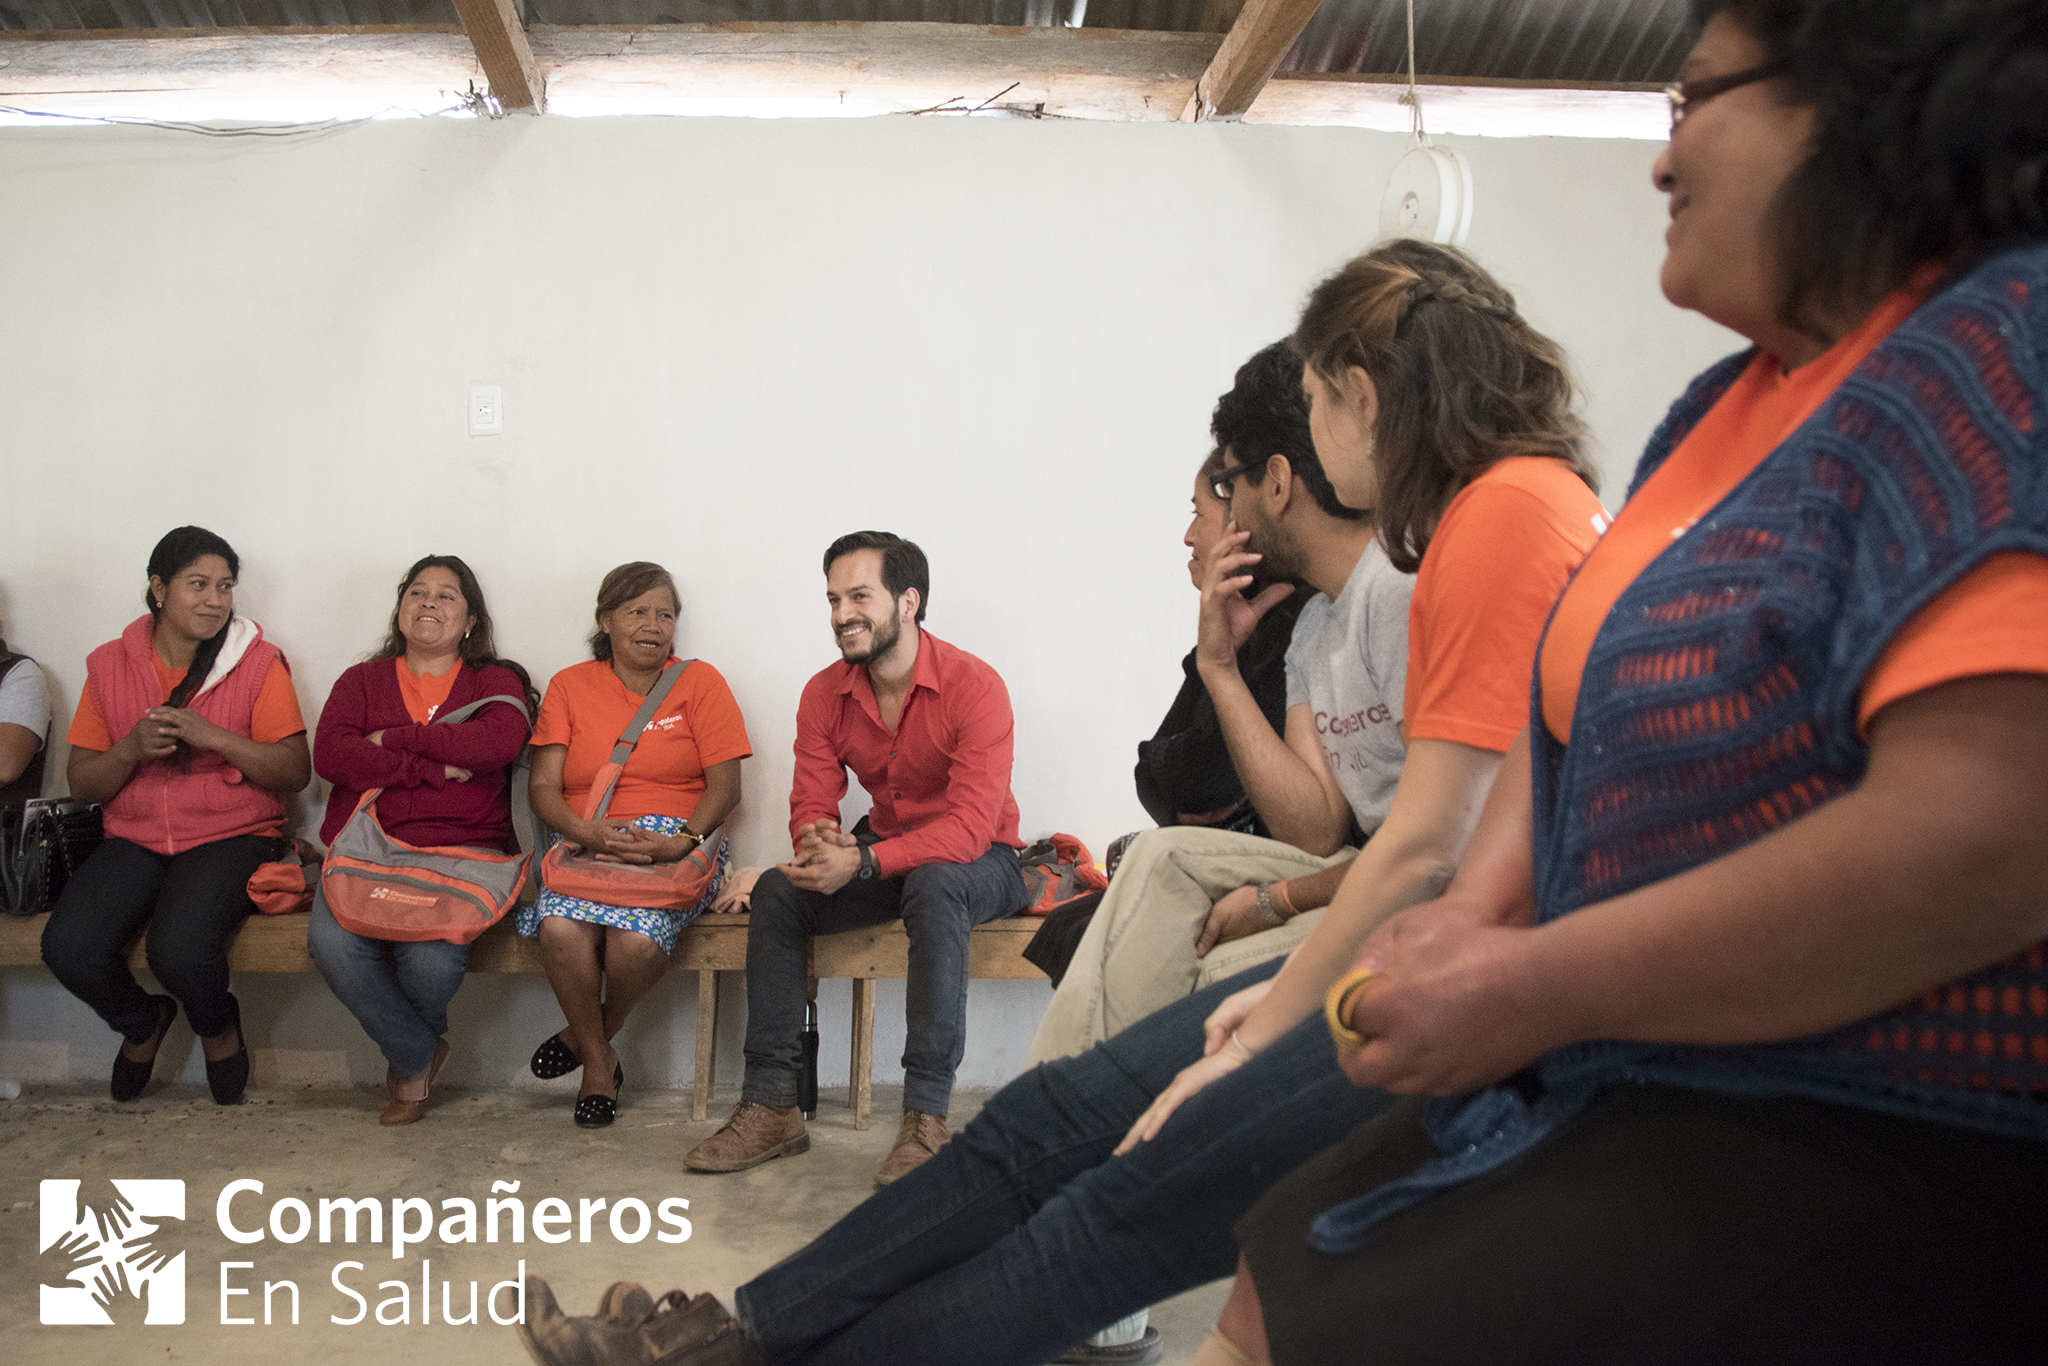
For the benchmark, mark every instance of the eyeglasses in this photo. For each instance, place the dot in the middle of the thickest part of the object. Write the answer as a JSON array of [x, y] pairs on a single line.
[[1220, 482], [1685, 95]]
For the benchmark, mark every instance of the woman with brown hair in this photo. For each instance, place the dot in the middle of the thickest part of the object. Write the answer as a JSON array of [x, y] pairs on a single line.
[[681, 782], [1737, 1011], [439, 785], [1099, 1184]]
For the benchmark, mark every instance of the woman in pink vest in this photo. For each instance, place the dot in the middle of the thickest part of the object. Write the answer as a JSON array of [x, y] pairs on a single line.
[[440, 783], [188, 734]]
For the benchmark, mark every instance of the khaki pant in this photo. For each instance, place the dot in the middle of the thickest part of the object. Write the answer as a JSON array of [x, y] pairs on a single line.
[[1138, 953]]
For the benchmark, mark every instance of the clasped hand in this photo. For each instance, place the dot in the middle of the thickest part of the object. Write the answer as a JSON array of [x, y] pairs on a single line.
[[827, 858], [624, 842], [1457, 1003], [157, 733]]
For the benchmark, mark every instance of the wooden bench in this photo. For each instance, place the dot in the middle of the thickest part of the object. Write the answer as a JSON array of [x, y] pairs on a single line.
[[708, 946]]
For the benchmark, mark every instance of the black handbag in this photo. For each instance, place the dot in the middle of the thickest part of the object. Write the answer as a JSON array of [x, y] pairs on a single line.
[[40, 847]]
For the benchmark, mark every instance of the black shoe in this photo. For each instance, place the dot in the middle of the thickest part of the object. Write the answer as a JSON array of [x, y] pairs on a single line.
[[1143, 1352], [553, 1059], [131, 1078], [594, 1112], [229, 1077]]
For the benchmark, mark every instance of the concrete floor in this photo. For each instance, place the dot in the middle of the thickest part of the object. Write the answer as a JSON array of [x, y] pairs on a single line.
[[313, 1143]]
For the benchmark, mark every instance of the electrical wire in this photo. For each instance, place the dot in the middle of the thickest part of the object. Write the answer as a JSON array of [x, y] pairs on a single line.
[[287, 131]]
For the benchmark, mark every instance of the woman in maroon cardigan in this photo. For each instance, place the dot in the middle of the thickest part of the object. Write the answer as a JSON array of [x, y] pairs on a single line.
[[441, 785]]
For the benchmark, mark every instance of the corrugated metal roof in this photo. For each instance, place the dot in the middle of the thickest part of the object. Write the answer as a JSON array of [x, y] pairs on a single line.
[[115, 14], [1536, 40], [1012, 13]]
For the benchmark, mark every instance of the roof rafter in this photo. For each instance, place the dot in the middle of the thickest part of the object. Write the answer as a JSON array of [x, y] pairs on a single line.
[[499, 38], [844, 67], [1251, 52]]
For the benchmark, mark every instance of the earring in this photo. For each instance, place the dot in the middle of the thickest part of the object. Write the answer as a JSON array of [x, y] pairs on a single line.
[[159, 603]]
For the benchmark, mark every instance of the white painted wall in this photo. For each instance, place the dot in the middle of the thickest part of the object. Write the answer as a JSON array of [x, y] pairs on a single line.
[[721, 343]]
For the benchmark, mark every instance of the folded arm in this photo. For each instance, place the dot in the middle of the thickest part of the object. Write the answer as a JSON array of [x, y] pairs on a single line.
[[344, 754], [489, 739]]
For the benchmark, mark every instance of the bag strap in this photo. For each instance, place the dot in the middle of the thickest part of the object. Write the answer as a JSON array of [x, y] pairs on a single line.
[[469, 709], [630, 736]]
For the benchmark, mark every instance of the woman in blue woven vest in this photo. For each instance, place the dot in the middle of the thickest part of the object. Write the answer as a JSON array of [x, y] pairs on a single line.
[[1736, 1015]]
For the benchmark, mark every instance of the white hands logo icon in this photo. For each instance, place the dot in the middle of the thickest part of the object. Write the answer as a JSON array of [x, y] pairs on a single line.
[[108, 1238]]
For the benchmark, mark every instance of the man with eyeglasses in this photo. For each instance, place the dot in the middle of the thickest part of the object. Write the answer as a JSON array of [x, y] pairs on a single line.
[[1321, 783]]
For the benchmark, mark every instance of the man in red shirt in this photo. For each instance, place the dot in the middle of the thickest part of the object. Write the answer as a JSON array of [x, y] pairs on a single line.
[[926, 728]]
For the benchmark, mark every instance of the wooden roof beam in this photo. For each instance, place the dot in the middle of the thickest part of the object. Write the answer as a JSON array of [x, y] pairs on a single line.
[[1259, 37], [502, 50]]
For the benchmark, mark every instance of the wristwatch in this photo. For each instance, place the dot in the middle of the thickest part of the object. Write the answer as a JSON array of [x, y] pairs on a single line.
[[867, 864]]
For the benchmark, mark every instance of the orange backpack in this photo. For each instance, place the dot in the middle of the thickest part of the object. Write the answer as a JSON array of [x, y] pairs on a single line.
[[1058, 869]]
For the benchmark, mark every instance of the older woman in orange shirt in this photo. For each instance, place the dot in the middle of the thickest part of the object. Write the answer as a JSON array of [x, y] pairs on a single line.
[[680, 784]]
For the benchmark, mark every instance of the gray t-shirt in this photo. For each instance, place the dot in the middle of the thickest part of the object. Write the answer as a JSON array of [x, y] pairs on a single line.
[[24, 698], [1348, 660]]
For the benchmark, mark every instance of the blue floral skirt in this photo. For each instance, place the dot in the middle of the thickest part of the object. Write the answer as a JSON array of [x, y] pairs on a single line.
[[660, 926]]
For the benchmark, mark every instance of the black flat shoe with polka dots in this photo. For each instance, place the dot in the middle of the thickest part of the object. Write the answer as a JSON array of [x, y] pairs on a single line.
[[553, 1059], [595, 1112]]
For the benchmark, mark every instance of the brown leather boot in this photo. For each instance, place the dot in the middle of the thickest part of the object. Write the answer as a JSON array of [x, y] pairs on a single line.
[[631, 1329], [921, 1136], [754, 1134]]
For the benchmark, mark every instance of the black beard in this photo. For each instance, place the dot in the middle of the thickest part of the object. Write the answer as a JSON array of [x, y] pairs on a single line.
[[882, 638], [1280, 558]]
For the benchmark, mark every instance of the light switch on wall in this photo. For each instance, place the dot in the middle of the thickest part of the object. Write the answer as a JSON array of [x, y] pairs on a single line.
[[486, 409]]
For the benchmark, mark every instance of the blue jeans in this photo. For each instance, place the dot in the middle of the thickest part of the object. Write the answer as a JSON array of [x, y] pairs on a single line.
[[939, 903], [398, 991], [1023, 1235]]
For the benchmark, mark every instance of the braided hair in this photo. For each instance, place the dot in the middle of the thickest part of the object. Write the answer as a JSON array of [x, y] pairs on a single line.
[[1463, 381]]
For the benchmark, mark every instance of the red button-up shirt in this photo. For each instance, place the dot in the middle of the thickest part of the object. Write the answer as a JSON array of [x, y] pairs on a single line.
[[941, 783]]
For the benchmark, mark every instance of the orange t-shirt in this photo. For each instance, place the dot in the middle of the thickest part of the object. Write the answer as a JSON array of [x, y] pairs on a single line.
[[698, 725], [424, 693], [276, 714], [1992, 620], [1505, 546]]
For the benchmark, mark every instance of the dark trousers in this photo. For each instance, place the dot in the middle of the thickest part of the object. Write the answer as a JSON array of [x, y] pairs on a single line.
[[191, 903], [1023, 1235], [1672, 1228], [939, 903]]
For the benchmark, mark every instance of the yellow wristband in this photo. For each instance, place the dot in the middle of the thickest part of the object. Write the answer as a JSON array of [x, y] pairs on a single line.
[[1337, 1007]]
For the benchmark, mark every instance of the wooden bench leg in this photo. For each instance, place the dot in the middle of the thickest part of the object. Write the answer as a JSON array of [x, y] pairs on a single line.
[[707, 1044], [861, 1074]]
